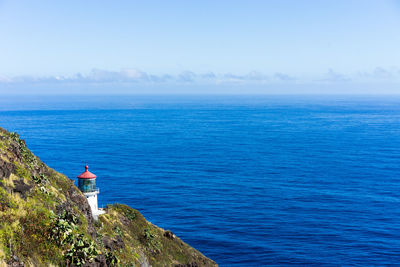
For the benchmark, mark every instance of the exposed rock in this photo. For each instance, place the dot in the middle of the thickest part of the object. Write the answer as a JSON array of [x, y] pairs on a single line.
[[6, 169], [112, 244], [100, 261], [15, 262], [22, 188], [169, 234]]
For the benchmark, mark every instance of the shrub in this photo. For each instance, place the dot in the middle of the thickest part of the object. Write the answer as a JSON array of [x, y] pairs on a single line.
[[7, 238], [118, 231], [152, 242], [130, 214], [35, 234], [41, 179], [81, 251], [63, 227], [111, 259], [64, 233], [5, 201]]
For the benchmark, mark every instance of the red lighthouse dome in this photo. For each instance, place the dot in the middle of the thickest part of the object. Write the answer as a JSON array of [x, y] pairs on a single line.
[[87, 174]]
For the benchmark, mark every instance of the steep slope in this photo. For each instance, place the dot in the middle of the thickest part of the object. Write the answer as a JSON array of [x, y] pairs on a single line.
[[46, 221]]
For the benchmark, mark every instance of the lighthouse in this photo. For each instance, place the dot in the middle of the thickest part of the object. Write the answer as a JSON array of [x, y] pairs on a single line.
[[87, 184]]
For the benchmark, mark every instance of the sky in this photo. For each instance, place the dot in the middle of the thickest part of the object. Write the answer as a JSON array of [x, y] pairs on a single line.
[[267, 46]]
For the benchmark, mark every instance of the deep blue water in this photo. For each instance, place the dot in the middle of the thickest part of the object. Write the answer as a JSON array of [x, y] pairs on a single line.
[[247, 180]]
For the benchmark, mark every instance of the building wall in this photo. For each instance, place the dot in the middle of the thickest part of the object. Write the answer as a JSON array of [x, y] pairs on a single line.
[[92, 199]]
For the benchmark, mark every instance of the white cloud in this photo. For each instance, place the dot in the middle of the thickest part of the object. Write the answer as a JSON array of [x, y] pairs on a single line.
[[209, 75], [284, 77], [5, 79], [333, 76], [187, 76], [136, 76], [380, 73], [251, 77]]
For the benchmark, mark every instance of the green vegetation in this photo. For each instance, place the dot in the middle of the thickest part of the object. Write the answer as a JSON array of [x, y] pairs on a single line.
[[130, 214], [6, 201], [111, 259], [46, 221], [82, 250]]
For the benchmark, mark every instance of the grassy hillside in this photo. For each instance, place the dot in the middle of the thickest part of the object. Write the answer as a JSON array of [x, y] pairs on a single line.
[[46, 221]]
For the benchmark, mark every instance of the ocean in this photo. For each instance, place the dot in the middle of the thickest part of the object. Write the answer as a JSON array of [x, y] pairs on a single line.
[[247, 180]]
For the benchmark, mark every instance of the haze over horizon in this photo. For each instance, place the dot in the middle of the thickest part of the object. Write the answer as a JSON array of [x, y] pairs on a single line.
[[205, 47]]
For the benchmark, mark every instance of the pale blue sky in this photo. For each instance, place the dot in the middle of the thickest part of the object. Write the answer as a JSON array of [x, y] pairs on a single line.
[[199, 42]]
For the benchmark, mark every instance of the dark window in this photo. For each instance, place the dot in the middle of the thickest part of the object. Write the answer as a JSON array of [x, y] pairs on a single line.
[[87, 185]]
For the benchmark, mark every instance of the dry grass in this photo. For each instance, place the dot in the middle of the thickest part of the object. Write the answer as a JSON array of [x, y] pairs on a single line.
[[9, 182], [4, 158]]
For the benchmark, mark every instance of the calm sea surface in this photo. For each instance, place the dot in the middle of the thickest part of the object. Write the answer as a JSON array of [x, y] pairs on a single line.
[[247, 180]]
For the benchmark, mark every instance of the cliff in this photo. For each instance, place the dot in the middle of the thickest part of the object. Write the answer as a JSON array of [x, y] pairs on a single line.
[[46, 221]]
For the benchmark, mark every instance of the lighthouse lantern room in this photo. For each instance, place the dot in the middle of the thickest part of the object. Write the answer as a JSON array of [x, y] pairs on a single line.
[[87, 184]]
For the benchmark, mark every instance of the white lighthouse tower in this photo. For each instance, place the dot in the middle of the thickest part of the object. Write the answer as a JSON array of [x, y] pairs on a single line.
[[87, 184]]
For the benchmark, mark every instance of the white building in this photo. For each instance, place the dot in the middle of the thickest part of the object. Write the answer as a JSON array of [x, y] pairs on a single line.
[[87, 184]]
